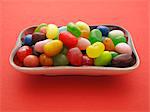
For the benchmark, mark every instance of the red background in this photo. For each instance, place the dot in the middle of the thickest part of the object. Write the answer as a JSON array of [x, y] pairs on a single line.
[[23, 92]]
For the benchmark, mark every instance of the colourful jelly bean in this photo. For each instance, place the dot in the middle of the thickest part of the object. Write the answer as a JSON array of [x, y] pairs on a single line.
[[38, 36], [87, 61], [23, 52], [95, 50], [104, 59], [40, 26], [63, 28], [71, 27], [95, 36], [114, 54], [31, 61], [118, 39], [28, 40], [60, 60], [74, 56], [43, 30], [64, 50], [104, 29], [123, 48], [45, 60], [52, 31], [109, 45], [84, 28], [68, 39], [115, 33], [83, 43], [53, 47], [38, 47]]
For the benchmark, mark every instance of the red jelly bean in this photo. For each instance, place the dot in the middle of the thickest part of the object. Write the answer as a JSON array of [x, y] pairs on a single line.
[[74, 56], [23, 52], [87, 61], [68, 39]]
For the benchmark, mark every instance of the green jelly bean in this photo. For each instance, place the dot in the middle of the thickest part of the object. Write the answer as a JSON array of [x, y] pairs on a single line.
[[104, 59], [118, 39], [60, 60], [39, 27], [71, 27], [64, 50], [114, 54], [95, 36]]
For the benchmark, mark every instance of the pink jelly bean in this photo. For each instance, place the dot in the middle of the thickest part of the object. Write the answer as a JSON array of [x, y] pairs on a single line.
[[83, 43]]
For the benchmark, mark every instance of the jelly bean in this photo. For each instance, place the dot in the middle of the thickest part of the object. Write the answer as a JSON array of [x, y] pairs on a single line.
[[83, 43], [39, 45], [37, 36], [68, 39], [123, 48], [17, 62], [115, 33], [45, 60], [23, 52], [74, 56], [119, 39], [60, 60], [63, 28], [52, 31], [95, 36], [123, 60], [87, 61], [27, 40], [84, 28], [64, 50], [31, 61], [114, 54], [104, 59], [53, 47], [43, 30], [109, 45], [104, 29], [39, 27], [71, 27], [95, 50]]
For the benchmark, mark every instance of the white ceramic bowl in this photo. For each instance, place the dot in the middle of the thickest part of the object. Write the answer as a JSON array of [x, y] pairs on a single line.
[[71, 70]]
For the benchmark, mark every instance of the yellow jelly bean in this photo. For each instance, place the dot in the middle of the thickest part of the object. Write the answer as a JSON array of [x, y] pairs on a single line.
[[84, 28], [53, 47], [52, 31]]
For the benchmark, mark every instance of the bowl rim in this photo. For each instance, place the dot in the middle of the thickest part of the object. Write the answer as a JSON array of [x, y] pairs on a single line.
[[18, 44]]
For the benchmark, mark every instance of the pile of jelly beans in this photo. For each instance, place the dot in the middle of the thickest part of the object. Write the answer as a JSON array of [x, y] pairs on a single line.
[[75, 44]]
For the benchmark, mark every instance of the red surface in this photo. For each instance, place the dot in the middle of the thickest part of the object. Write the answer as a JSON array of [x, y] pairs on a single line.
[[23, 92]]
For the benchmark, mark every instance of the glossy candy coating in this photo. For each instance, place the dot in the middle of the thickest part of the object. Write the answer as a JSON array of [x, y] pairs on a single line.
[[95, 50], [87, 61], [38, 47], [43, 30], [109, 45], [104, 29], [74, 56], [38, 36], [68, 39], [118, 39], [123, 60], [115, 33], [27, 40], [23, 52], [60, 60], [45, 60], [31, 61], [123, 48], [71, 27], [53, 47], [114, 54], [95, 36], [104, 59], [84, 28], [83, 43], [52, 31], [39, 27]]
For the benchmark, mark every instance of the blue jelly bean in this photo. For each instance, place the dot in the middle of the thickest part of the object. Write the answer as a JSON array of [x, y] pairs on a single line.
[[28, 40], [104, 29], [63, 28]]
